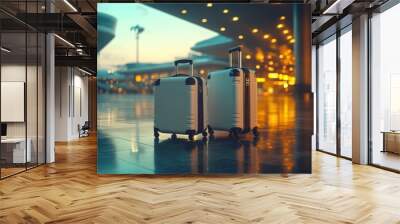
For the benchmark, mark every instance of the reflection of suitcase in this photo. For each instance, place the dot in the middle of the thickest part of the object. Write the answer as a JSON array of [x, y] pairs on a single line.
[[222, 156], [232, 97], [180, 104], [178, 156]]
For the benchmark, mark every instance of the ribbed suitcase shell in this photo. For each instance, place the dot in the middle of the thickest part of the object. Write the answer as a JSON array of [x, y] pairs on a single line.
[[228, 101], [180, 105], [176, 105]]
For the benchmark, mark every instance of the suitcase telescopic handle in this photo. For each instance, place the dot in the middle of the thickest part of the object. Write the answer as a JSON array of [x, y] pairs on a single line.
[[183, 61], [237, 49]]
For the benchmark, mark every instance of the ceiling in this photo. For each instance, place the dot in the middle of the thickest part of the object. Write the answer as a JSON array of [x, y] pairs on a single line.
[[254, 21], [74, 22]]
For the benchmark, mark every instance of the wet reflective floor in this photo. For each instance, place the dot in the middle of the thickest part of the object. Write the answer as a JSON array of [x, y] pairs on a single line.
[[126, 144]]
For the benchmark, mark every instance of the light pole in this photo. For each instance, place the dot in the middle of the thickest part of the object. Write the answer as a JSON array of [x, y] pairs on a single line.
[[138, 30]]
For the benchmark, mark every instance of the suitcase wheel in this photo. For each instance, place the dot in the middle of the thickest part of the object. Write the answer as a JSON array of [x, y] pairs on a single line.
[[210, 131], [191, 137], [234, 133], [255, 132], [156, 134], [174, 137]]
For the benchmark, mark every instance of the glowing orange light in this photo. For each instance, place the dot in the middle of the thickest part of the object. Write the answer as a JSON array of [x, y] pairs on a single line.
[[255, 30], [285, 31], [285, 85], [273, 40], [266, 36], [260, 80], [241, 37], [260, 55], [292, 81], [282, 18], [154, 76], [280, 26], [273, 75]]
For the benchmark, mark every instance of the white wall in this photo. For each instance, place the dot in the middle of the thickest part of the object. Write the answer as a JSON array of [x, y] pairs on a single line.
[[13, 101], [33, 127], [16, 73], [71, 94], [62, 82], [13, 72], [80, 104]]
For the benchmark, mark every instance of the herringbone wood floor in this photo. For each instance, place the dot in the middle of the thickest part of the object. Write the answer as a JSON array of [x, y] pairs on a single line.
[[70, 191]]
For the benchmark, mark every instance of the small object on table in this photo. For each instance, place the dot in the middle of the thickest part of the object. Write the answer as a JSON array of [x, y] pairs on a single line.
[[391, 141]]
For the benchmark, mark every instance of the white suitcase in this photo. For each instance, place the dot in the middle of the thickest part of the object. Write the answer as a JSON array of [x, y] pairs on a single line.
[[232, 99], [180, 105]]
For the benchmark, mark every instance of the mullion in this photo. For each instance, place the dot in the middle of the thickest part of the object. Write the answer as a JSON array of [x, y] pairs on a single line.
[[37, 91], [26, 87], [369, 100], [317, 96], [0, 94], [338, 95]]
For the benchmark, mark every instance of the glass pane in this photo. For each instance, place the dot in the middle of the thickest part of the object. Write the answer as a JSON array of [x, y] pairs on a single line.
[[22, 85], [13, 86], [41, 99], [327, 97], [314, 90], [386, 89], [41, 89], [346, 94], [31, 97]]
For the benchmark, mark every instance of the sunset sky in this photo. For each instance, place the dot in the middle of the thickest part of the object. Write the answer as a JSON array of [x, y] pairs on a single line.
[[165, 37]]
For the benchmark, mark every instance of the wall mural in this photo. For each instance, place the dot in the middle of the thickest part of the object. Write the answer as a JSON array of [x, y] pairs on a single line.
[[204, 88]]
